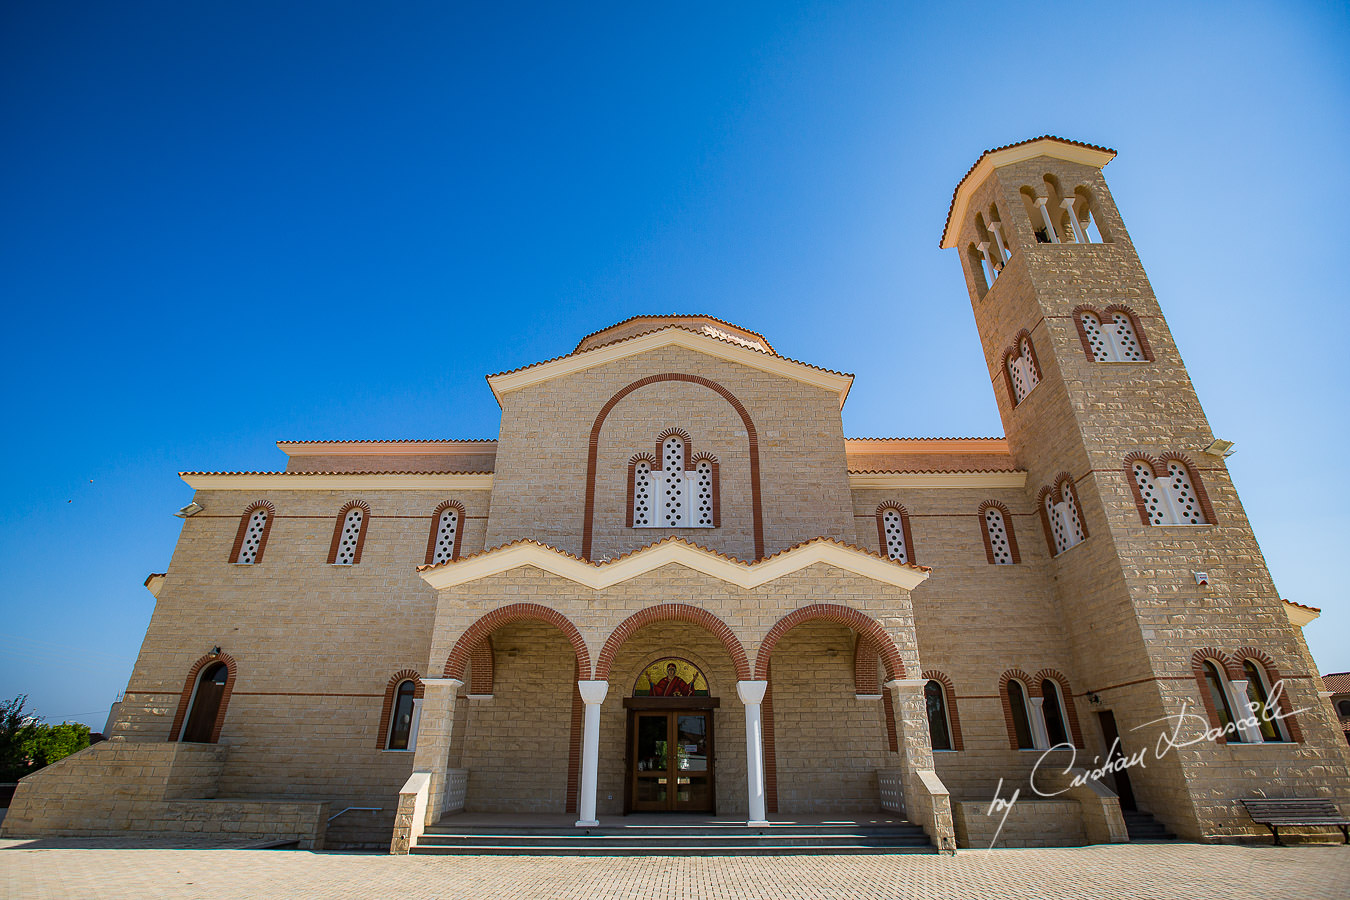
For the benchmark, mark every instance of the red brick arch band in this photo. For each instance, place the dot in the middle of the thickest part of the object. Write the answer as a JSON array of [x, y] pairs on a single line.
[[231, 668], [844, 615], [458, 660], [752, 438], [673, 612]]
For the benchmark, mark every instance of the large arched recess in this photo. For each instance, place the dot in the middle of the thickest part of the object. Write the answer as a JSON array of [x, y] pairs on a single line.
[[752, 438], [673, 612], [843, 615], [458, 660]]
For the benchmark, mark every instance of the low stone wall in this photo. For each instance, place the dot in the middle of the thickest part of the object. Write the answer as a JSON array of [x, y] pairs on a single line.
[[1030, 823], [121, 787]]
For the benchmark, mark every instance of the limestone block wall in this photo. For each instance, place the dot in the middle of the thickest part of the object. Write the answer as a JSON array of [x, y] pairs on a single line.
[[1040, 823], [539, 488]]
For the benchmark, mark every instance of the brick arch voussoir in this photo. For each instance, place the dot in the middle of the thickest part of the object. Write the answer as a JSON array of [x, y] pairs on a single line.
[[949, 696], [752, 442], [458, 660], [862, 623], [387, 708], [1066, 694], [231, 669], [1226, 663], [1007, 703], [673, 612]]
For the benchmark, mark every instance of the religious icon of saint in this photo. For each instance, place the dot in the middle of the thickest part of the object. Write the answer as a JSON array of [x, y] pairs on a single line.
[[672, 685]]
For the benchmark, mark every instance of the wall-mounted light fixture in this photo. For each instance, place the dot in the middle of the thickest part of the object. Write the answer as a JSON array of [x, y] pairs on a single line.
[[190, 510], [1219, 448], [1094, 699], [215, 651], [1201, 578]]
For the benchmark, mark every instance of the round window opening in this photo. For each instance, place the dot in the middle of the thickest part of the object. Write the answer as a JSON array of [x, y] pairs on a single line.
[[671, 677]]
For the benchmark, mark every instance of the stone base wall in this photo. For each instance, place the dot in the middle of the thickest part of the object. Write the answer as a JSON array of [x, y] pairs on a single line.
[[1030, 823], [120, 787]]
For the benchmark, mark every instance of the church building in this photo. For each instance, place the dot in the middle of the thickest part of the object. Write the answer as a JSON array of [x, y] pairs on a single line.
[[672, 584]]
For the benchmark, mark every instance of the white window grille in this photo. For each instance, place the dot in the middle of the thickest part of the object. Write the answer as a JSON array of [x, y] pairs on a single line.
[[1066, 527], [703, 495], [1022, 371], [253, 534], [894, 526], [1114, 341], [642, 495], [447, 529], [351, 532], [671, 497], [1170, 499], [998, 537]]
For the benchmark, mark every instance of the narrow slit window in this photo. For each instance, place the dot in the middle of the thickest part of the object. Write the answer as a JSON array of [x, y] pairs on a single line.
[[682, 493], [447, 532], [253, 537], [349, 540], [996, 529]]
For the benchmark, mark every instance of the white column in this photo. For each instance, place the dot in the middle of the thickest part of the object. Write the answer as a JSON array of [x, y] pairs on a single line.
[[1040, 735], [752, 695], [1049, 223], [1248, 730], [1079, 234], [592, 694], [990, 271], [995, 228]]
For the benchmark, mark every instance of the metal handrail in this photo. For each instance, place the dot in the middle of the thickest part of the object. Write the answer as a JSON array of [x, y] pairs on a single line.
[[355, 809]]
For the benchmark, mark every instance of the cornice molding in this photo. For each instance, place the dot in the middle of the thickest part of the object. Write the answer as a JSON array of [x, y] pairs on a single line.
[[860, 481], [1299, 614], [508, 382], [603, 575], [387, 448], [336, 481]]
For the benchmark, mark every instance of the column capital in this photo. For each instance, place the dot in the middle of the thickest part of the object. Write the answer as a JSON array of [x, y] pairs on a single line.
[[453, 683], [751, 691], [1067, 202], [592, 692], [1040, 201], [897, 684]]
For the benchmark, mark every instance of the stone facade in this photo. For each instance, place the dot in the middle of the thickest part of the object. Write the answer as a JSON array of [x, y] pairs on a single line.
[[872, 617]]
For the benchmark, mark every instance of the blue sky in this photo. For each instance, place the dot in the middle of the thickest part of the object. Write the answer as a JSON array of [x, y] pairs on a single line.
[[227, 224]]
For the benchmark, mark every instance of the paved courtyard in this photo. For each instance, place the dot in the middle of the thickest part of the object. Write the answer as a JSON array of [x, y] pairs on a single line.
[[36, 870]]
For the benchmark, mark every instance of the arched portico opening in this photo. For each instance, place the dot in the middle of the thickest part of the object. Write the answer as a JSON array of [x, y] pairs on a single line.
[[828, 726]]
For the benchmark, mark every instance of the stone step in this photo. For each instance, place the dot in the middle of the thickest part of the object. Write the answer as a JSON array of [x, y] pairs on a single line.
[[1143, 828], [689, 849]]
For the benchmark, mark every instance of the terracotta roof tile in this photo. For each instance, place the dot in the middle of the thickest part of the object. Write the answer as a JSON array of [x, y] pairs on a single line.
[[677, 540], [934, 471], [306, 474], [400, 441], [1302, 606], [675, 316], [1337, 682], [951, 207]]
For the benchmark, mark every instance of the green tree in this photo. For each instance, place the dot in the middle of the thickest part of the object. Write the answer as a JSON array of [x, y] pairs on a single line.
[[17, 729], [52, 742]]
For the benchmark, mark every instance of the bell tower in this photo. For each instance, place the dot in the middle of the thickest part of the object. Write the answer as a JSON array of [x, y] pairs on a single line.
[[1164, 595]]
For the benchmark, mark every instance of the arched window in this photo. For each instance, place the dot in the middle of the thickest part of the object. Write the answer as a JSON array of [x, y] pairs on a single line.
[[1061, 516], [1021, 716], [1085, 211], [251, 538], [443, 543], [996, 232], [1039, 216], [1343, 707], [1176, 497], [1020, 368], [681, 493], [990, 254], [1113, 335], [349, 534], [1259, 704], [401, 722], [1000, 544], [1052, 708], [979, 274], [893, 536], [939, 726], [206, 706], [1216, 684]]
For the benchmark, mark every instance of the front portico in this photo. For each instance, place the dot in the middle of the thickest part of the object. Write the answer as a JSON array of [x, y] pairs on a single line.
[[528, 613]]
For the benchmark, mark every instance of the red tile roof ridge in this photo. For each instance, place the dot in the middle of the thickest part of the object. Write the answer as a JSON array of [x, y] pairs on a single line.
[[933, 471], [673, 316], [302, 474], [951, 207], [677, 540], [633, 337], [398, 441], [1303, 606], [999, 438]]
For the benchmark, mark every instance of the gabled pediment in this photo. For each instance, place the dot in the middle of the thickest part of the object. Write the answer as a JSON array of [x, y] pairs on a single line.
[[679, 552], [673, 336]]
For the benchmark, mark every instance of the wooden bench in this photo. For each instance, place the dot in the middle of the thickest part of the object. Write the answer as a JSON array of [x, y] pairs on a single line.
[[1296, 811]]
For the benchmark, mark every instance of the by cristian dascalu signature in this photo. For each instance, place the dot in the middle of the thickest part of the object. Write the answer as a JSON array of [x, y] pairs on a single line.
[[1169, 739]]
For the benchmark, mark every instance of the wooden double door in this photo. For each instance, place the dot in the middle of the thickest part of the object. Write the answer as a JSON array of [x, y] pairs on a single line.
[[670, 761]]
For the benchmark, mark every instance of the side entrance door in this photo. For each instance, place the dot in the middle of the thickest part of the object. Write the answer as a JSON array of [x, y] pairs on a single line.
[[670, 761]]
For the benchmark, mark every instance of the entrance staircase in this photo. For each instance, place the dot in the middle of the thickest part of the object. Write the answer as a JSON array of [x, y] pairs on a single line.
[[671, 835], [1144, 829]]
